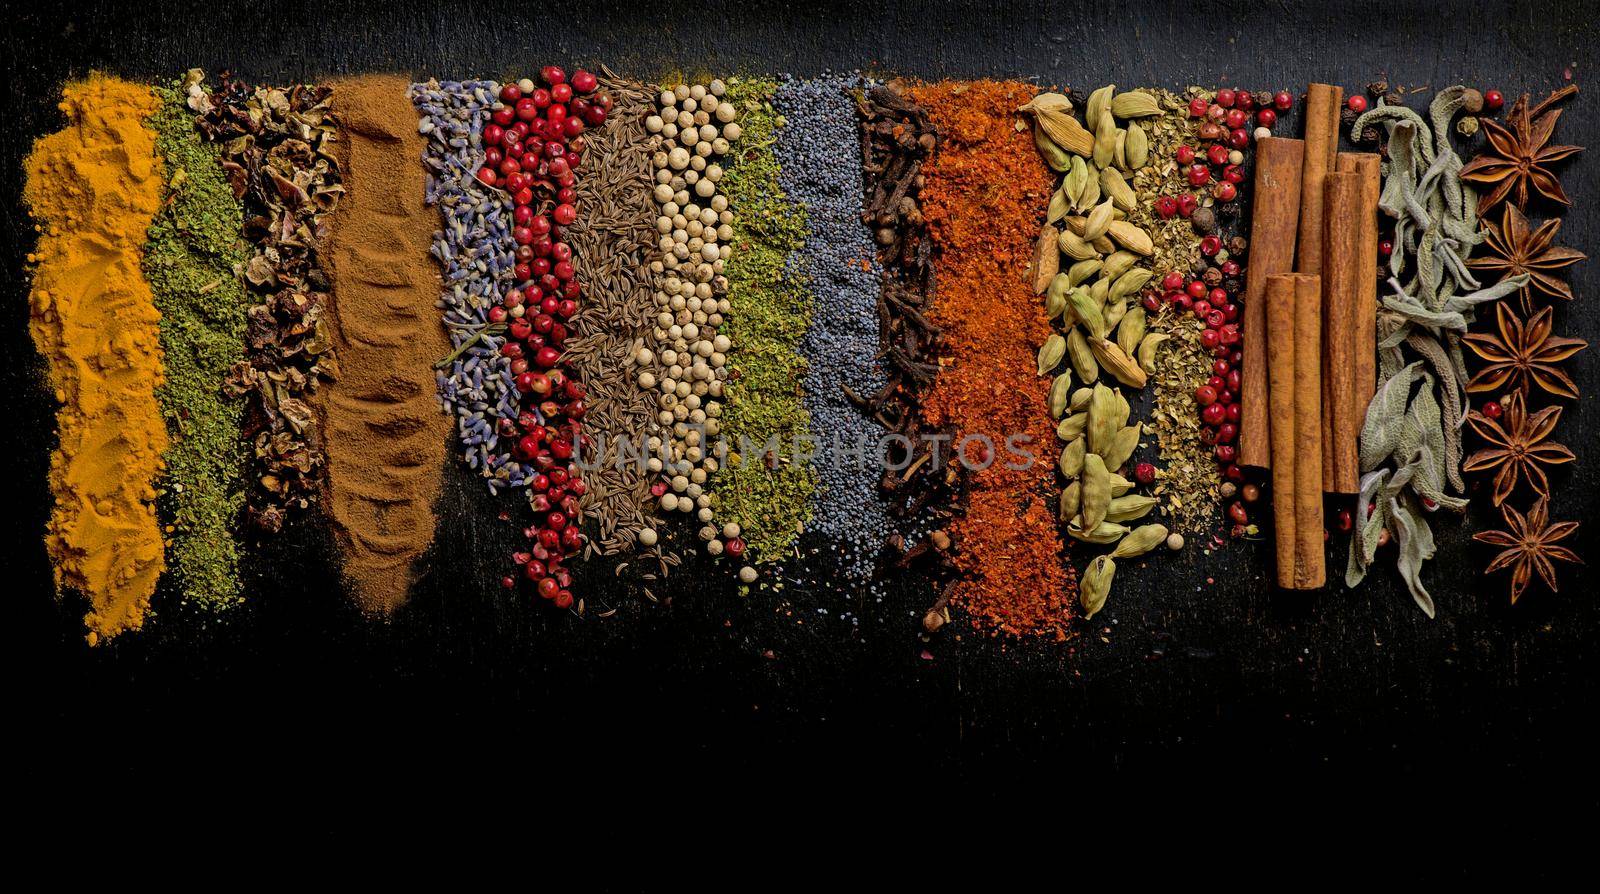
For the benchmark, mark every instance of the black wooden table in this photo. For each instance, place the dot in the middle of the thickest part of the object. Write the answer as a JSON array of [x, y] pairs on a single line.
[[1203, 665]]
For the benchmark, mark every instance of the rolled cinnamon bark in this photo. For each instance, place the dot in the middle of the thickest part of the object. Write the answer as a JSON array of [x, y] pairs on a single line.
[[1368, 165], [1341, 270], [1309, 570], [1321, 144], [1273, 226], [1278, 293]]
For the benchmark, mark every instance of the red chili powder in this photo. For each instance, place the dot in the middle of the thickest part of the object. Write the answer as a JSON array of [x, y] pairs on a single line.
[[984, 196]]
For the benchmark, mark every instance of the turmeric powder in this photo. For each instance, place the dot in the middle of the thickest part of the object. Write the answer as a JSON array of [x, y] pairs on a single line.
[[93, 188]]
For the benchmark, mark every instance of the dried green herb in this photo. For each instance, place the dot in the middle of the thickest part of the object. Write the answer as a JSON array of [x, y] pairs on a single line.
[[769, 497], [1411, 439], [190, 260]]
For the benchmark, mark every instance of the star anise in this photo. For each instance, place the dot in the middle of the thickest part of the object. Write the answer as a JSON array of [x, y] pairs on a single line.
[[1516, 157], [1518, 449], [1530, 544], [1514, 250], [1523, 354]]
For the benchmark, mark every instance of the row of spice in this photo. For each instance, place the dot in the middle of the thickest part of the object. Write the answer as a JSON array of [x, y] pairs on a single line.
[[653, 298]]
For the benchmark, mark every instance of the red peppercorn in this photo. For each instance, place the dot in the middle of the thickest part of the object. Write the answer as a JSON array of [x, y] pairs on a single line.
[[1198, 107], [1386, 248], [565, 214], [1225, 192], [1209, 246], [487, 176], [584, 82], [1172, 281], [1196, 288], [1210, 339], [1266, 118], [1187, 204], [1283, 100], [1356, 103], [1233, 173], [1213, 414], [1236, 119], [1151, 302], [1199, 175], [1239, 139], [1226, 453], [1217, 155], [1166, 206], [1185, 155], [1225, 97], [1236, 510], [1144, 473], [1205, 395], [1244, 100], [1493, 409], [1493, 100], [553, 74]]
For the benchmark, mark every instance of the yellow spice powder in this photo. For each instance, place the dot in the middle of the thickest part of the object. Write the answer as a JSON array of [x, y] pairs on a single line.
[[93, 188]]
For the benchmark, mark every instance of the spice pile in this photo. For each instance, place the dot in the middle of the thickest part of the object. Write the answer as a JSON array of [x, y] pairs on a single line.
[[93, 189], [764, 489], [1411, 440], [275, 152], [477, 258], [1106, 340], [683, 362], [819, 153], [1522, 354], [534, 147], [612, 242], [1008, 550], [191, 257], [385, 434]]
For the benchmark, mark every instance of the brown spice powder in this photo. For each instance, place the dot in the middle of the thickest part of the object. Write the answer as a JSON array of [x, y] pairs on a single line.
[[985, 193], [386, 438]]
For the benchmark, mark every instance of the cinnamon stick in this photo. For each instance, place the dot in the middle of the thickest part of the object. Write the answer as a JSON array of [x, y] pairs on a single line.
[[1321, 143], [1341, 269], [1309, 572], [1272, 237], [1278, 310], [1367, 165]]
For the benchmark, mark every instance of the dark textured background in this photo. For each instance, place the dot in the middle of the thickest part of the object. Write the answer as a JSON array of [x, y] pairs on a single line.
[[1204, 666]]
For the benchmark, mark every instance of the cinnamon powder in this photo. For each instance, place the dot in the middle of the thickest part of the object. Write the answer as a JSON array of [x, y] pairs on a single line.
[[386, 437]]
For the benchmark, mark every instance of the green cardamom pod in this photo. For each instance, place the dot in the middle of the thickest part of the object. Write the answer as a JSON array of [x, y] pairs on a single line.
[[1098, 100], [1123, 410], [1060, 204], [1096, 491], [1120, 485], [1138, 147], [1130, 330], [1140, 541], [1087, 309], [1072, 426], [1129, 507], [1056, 157], [1080, 399], [1072, 185], [1115, 309], [1068, 505], [1098, 292], [1119, 154], [1131, 282], [1098, 222], [1090, 196], [1118, 263], [1081, 356], [1105, 142], [1102, 424], [1060, 391], [1134, 104], [1082, 270], [1055, 298], [1103, 533], [1073, 246], [1095, 585], [1147, 351], [1071, 462], [1122, 447], [1051, 352]]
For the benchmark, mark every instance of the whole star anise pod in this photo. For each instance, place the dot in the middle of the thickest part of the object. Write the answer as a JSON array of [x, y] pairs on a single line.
[[1522, 354], [1518, 449], [1530, 544], [1516, 157], [1513, 250]]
